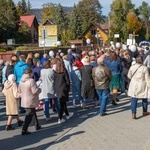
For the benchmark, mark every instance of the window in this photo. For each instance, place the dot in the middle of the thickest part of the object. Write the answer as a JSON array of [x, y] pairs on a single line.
[[93, 32]]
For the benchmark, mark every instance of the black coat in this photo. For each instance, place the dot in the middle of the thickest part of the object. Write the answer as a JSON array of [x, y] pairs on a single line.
[[87, 91], [9, 70], [62, 85]]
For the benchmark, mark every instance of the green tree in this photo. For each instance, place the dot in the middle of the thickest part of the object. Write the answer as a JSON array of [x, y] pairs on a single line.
[[75, 25], [22, 8], [90, 11], [144, 14], [60, 20], [29, 7], [24, 34], [48, 11], [118, 22]]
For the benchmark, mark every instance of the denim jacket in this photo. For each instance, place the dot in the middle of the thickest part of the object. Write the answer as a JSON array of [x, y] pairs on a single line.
[[115, 67]]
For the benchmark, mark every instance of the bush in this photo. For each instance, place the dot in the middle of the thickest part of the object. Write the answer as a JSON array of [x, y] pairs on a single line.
[[2, 50], [22, 48]]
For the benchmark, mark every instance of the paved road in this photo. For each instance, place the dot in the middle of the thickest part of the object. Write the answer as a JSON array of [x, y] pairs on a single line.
[[85, 131]]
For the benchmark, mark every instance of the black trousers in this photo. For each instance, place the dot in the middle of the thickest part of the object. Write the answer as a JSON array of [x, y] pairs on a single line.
[[63, 108], [30, 115]]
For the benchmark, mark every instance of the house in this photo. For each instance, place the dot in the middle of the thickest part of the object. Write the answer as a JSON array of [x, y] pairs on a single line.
[[97, 33], [33, 26]]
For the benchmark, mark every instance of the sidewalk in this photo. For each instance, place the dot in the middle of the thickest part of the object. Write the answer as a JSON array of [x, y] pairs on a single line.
[[116, 131], [86, 130]]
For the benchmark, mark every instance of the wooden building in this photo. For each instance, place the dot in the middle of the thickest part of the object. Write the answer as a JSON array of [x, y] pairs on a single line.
[[97, 33], [33, 26]]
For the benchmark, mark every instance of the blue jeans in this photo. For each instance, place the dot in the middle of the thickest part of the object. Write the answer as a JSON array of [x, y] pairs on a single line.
[[47, 102], [76, 88], [134, 104], [103, 95]]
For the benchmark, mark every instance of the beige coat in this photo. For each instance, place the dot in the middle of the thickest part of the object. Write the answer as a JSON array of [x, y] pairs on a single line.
[[140, 81], [29, 92], [10, 91]]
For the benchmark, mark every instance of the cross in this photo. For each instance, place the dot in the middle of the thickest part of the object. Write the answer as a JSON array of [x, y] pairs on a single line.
[[133, 36]]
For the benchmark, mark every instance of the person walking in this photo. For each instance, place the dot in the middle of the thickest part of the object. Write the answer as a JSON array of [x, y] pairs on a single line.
[[19, 69], [29, 94], [76, 84], [87, 88], [12, 108], [139, 86], [48, 91], [102, 77], [62, 87], [116, 83]]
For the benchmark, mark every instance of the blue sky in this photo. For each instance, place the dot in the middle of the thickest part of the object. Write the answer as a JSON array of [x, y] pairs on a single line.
[[105, 3]]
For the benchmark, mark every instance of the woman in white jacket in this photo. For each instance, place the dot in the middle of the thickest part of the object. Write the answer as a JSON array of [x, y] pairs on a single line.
[[139, 86]]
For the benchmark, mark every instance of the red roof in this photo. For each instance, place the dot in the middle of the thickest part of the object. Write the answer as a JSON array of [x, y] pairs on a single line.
[[28, 19]]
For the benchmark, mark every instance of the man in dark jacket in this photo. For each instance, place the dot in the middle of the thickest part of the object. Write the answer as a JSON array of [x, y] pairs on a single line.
[[70, 57]]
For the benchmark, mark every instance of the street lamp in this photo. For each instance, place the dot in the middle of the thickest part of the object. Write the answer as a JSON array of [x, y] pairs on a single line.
[[97, 36]]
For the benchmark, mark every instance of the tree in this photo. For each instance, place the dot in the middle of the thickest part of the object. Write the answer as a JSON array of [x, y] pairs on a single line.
[[90, 11], [48, 11], [22, 8], [75, 24], [118, 23], [60, 20], [24, 33], [133, 23], [29, 7], [144, 14]]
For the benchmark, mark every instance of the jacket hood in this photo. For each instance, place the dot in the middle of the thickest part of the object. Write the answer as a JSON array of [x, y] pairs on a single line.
[[25, 77], [21, 63], [8, 84]]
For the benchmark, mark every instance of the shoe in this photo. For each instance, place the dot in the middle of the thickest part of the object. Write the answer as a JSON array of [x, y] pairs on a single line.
[[133, 116], [38, 127], [25, 132], [54, 110], [146, 113], [117, 100], [70, 115], [61, 120], [9, 127], [48, 119], [20, 123], [114, 103], [84, 106], [96, 103], [104, 114]]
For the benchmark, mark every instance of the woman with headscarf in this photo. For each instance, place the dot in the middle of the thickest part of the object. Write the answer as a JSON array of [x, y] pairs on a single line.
[[12, 105]]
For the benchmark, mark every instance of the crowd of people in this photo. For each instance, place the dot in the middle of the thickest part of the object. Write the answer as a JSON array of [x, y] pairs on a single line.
[[96, 74]]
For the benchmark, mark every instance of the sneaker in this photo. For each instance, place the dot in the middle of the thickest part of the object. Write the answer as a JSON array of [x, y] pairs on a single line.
[[20, 123], [25, 132], [70, 115], [38, 127], [48, 119], [9, 127], [61, 120], [114, 103]]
